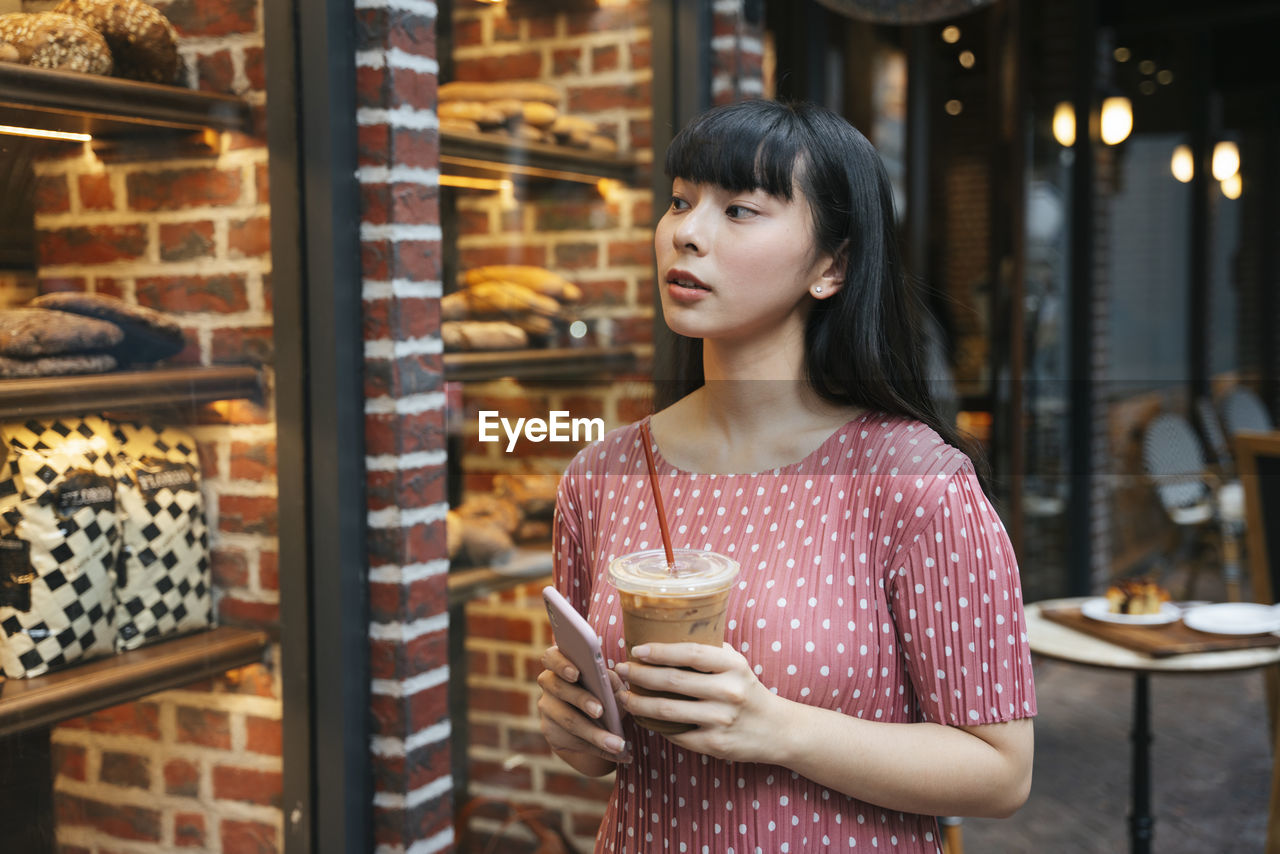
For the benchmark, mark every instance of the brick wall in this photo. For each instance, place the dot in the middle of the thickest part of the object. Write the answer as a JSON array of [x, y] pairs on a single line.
[[737, 53], [398, 144], [198, 767]]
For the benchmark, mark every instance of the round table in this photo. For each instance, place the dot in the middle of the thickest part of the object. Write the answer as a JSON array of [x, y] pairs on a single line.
[[1056, 641]]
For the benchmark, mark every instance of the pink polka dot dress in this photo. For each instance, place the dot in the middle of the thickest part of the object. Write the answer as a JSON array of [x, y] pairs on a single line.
[[876, 581]]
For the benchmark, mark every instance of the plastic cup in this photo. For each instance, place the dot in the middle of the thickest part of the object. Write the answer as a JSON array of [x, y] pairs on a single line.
[[660, 606]]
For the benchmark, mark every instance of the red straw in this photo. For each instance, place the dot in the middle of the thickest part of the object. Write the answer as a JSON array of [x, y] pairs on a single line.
[[646, 439]]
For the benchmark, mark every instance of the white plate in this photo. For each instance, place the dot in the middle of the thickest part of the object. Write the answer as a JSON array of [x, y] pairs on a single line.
[[1097, 609], [1233, 618]]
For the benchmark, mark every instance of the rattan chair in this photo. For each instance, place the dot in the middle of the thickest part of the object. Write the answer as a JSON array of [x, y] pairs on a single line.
[[1244, 412], [1175, 463]]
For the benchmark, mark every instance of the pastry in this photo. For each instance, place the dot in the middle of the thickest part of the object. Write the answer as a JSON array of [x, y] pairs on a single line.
[[1136, 596], [57, 41], [143, 43]]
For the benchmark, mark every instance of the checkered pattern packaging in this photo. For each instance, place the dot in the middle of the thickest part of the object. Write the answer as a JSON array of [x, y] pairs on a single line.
[[162, 578], [59, 537]]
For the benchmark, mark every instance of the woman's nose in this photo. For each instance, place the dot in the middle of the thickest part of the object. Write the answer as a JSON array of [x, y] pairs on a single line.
[[690, 232]]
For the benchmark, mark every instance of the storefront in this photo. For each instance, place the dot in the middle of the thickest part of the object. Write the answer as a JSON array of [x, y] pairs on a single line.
[[316, 206]]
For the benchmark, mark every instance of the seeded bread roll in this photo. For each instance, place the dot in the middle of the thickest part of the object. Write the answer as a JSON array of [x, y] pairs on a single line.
[[9, 53], [142, 41], [53, 40]]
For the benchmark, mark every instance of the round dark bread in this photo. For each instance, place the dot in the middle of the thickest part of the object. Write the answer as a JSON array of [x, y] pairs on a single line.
[[51, 366], [26, 333], [147, 335], [143, 42], [53, 40]]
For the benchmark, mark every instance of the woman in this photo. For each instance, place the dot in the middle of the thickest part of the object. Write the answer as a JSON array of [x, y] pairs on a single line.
[[875, 672]]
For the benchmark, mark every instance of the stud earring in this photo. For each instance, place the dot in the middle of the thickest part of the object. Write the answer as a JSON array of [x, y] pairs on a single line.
[[817, 289]]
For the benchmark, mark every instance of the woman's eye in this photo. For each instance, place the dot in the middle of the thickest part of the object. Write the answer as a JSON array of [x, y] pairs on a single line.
[[678, 204], [738, 212]]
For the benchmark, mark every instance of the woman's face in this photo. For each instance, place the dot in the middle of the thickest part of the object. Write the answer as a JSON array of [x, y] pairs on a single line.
[[732, 265]]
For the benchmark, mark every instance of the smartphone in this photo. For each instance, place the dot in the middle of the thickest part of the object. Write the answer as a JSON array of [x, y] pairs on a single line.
[[581, 645]]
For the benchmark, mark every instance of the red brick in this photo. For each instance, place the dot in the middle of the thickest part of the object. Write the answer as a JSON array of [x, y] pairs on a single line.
[[405, 603], [128, 719], [125, 769], [53, 194], [396, 717], [401, 376], [416, 544], [499, 700], [243, 344], [248, 785], [230, 568], [396, 660], [69, 761], [574, 215], [225, 294], [607, 20], [641, 55], [375, 259], [268, 294], [215, 72], [404, 434], [526, 741], [249, 238], [496, 627], [505, 665], [211, 17], [576, 786], [255, 68], [391, 826], [595, 99], [206, 727], [118, 820], [188, 830], [566, 61], [95, 192], [60, 284], [248, 837], [268, 571], [521, 254], [373, 145], [508, 66], [95, 244], [401, 318], [182, 778], [495, 775], [183, 241], [468, 33], [609, 292], [417, 260], [605, 58], [253, 460], [247, 514], [264, 735], [421, 766], [175, 189], [420, 487], [262, 182], [576, 256], [242, 612], [485, 734], [631, 253]]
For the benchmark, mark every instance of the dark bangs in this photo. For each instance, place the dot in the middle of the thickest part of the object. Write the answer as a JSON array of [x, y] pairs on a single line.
[[740, 149]]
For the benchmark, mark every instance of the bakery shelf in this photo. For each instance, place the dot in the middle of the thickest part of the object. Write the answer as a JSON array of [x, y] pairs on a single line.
[[110, 107], [27, 704], [557, 364], [126, 390], [526, 565], [478, 153]]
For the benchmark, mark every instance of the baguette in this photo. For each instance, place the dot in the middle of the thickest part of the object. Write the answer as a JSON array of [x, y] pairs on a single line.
[[521, 90], [474, 111], [504, 298], [537, 279], [482, 335]]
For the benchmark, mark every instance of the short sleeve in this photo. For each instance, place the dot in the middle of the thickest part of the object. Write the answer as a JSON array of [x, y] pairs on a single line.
[[957, 601], [572, 577]]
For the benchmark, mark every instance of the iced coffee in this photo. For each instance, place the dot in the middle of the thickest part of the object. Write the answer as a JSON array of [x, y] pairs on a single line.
[[664, 606]]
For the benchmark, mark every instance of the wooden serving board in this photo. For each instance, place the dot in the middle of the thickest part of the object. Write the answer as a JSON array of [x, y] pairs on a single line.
[[1157, 641]]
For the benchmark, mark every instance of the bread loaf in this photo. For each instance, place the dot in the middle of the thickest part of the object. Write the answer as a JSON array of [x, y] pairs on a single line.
[[504, 298], [29, 332], [473, 111], [484, 506], [521, 90], [482, 335], [536, 279], [143, 42], [149, 335], [57, 41], [56, 366], [460, 125]]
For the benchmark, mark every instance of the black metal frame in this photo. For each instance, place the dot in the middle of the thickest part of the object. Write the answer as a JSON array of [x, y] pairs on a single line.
[[320, 413]]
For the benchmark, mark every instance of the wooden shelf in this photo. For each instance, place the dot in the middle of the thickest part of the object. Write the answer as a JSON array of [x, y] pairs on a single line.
[[558, 364], [476, 153], [110, 107], [27, 704], [125, 390], [525, 566]]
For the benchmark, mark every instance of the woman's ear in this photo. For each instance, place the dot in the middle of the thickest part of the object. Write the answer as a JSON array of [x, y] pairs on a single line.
[[832, 278]]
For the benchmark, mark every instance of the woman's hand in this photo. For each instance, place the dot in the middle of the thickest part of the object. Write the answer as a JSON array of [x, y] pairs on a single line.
[[736, 717], [569, 717]]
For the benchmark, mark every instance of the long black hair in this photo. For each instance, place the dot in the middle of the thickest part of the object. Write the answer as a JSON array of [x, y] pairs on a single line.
[[865, 345]]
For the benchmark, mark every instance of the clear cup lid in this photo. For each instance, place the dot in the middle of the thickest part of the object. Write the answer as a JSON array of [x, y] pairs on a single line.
[[696, 571]]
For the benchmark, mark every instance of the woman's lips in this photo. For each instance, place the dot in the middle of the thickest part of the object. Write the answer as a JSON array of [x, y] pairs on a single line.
[[686, 287]]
